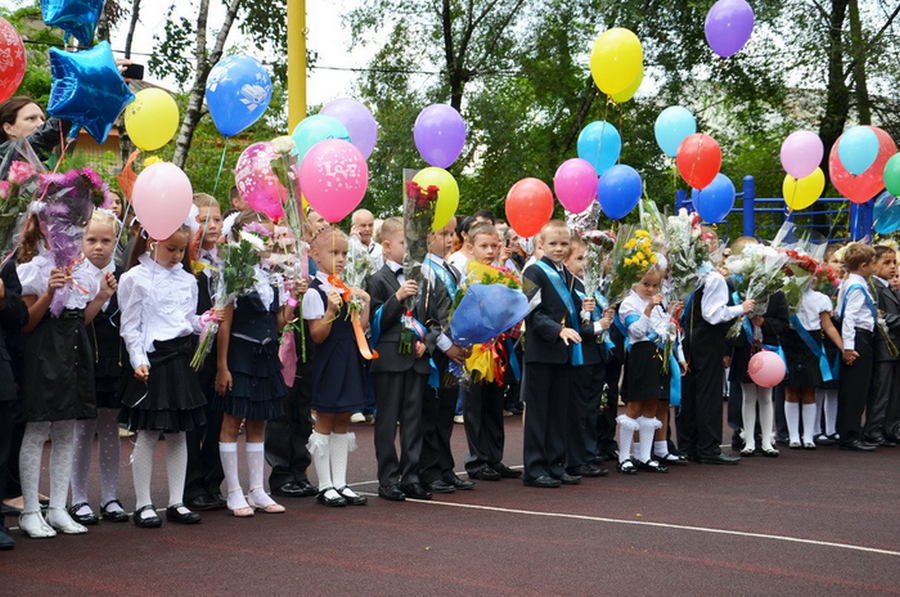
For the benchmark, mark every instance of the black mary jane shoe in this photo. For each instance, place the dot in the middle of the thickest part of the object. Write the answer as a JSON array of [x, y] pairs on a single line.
[[151, 522], [653, 466], [114, 515], [353, 500], [85, 519], [334, 501], [627, 468], [173, 514]]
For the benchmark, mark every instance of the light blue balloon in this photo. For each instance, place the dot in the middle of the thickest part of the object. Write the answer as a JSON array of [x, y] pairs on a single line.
[[886, 214], [619, 190], [313, 129], [600, 144], [238, 91], [673, 125], [714, 203], [858, 149]]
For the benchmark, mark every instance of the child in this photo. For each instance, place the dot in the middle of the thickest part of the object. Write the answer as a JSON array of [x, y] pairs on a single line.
[[827, 391], [399, 379], [106, 346], [338, 377], [59, 376], [878, 429], [858, 314], [158, 299]]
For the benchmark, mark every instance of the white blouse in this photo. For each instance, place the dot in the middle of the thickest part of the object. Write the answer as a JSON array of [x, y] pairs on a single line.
[[35, 278], [812, 305], [157, 303], [313, 306], [646, 329]]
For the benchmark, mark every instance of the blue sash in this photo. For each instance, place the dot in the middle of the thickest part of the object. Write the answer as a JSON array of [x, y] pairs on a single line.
[[597, 315], [563, 292], [813, 347], [869, 301], [434, 377], [513, 360], [674, 367], [443, 275]]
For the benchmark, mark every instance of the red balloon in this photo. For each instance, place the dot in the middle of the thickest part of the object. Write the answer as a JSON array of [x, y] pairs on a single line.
[[699, 159], [870, 183], [529, 205], [12, 60]]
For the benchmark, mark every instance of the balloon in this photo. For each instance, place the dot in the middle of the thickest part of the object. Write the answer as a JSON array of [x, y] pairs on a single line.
[[619, 190], [12, 66], [334, 177], [729, 24], [600, 145], [87, 89], [892, 176], [616, 60], [628, 93], [715, 201], [359, 122], [800, 194], [575, 184], [257, 183], [529, 205], [886, 214], [860, 189], [440, 134], [313, 129], [673, 125], [75, 17], [448, 193], [238, 91], [766, 369], [151, 119], [162, 198], [699, 159], [858, 149], [801, 154]]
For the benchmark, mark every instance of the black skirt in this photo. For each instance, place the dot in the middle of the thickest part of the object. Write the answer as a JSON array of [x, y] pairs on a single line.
[[644, 379], [258, 388], [171, 400], [802, 364], [59, 370]]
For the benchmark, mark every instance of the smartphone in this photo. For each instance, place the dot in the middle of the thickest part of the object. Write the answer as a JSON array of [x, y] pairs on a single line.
[[133, 71]]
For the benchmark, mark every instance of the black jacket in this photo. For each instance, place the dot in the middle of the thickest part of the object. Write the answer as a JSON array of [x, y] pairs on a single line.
[[13, 315], [546, 321]]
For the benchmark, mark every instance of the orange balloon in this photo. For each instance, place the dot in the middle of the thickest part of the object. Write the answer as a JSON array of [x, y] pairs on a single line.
[[529, 205], [867, 185]]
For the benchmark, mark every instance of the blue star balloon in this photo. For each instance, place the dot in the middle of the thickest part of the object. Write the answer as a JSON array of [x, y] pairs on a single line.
[[75, 17], [87, 89]]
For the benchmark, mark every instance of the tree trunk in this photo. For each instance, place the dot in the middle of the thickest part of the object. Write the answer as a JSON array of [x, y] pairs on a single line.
[[863, 105], [837, 95], [132, 25]]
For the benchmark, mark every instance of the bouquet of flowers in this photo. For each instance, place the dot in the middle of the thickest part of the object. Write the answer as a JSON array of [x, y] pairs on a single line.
[[600, 244], [16, 192], [418, 218], [800, 270], [632, 257], [827, 282], [688, 255], [758, 273], [358, 267]]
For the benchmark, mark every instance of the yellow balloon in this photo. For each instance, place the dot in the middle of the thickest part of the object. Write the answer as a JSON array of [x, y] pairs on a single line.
[[448, 193], [800, 194], [151, 119], [628, 93], [616, 60]]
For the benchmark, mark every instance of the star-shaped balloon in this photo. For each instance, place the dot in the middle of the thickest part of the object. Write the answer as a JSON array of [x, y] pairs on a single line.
[[75, 17], [87, 89]]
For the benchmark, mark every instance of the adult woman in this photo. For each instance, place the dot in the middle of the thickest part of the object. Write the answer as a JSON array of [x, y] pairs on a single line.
[[22, 118]]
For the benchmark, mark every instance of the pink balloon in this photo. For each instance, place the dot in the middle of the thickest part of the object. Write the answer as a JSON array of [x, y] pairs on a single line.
[[334, 177], [161, 199], [258, 185], [575, 184], [766, 369], [801, 153]]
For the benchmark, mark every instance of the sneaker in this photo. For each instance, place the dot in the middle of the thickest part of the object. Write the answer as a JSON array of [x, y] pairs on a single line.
[[357, 418]]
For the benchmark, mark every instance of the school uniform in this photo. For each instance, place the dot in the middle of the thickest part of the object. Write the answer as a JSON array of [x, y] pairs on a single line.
[[804, 343], [614, 356], [857, 311], [886, 382], [107, 349]]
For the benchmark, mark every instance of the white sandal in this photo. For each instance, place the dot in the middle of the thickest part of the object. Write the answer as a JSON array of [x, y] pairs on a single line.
[[38, 530]]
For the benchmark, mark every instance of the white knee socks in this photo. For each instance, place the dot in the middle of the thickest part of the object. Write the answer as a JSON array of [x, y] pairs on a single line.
[[766, 417], [830, 406], [748, 415], [648, 427], [341, 446], [792, 416], [809, 419], [235, 495], [142, 468], [176, 466], [627, 427], [256, 461], [319, 447]]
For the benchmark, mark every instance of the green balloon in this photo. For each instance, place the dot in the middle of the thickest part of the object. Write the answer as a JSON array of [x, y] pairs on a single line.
[[892, 175]]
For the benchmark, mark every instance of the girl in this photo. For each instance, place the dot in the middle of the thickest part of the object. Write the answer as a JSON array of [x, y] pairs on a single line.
[[249, 385], [106, 350], [58, 386], [338, 375], [158, 299]]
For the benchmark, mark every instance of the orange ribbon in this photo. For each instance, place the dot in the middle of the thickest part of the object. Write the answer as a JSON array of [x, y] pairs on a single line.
[[361, 342]]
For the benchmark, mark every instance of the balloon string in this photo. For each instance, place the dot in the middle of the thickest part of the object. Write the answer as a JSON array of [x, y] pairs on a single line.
[[221, 165], [602, 130]]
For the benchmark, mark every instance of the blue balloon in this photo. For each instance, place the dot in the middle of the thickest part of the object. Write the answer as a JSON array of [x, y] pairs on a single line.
[[619, 190], [886, 214], [238, 91], [858, 149], [87, 90], [673, 125], [75, 17], [715, 201], [600, 144], [313, 129], [485, 312]]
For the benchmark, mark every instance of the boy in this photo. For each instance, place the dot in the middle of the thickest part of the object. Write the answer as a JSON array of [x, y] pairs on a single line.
[[857, 311], [398, 378]]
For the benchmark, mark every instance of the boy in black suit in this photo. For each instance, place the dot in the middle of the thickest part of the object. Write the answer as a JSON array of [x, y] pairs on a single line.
[[886, 379]]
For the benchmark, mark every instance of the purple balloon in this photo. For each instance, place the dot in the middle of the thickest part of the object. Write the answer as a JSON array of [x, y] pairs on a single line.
[[440, 135], [729, 24], [359, 122], [801, 153], [575, 184]]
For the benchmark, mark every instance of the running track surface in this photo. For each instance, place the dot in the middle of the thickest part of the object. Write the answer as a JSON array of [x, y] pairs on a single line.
[[808, 523]]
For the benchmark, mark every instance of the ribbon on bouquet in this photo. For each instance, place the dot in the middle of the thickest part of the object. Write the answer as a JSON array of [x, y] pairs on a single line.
[[408, 321], [358, 332]]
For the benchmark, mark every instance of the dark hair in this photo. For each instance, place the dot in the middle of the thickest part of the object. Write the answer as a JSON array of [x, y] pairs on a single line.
[[32, 239], [141, 240], [831, 249], [463, 225], [881, 250], [9, 112], [486, 214]]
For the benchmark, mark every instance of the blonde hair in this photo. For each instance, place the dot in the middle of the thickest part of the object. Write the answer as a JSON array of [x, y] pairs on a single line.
[[482, 228], [202, 200], [856, 254], [390, 227], [104, 217], [555, 225]]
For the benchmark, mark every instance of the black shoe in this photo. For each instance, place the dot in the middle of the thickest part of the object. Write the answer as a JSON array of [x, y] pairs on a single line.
[[461, 484], [825, 440], [391, 492], [670, 459], [9, 510], [654, 466], [568, 479], [353, 500], [85, 519], [6, 540], [627, 468], [506, 472], [887, 443], [151, 522], [202, 503], [416, 491], [544, 482], [296, 489], [441, 486], [114, 515], [770, 452], [589, 470], [608, 456], [485, 474], [858, 445], [174, 514], [719, 459], [333, 501]]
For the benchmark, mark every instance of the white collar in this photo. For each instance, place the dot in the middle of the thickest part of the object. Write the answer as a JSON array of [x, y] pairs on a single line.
[[435, 258], [395, 267]]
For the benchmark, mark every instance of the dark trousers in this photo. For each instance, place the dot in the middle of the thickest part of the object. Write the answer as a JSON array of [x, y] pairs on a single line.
[[856, 383], [606, 420], [547, 388], [735, 413], [781, 428], [483, 421], [12, 486], [398, 397], [886, 385], [7, 421], [287, 436], [204, 467], [438, 408], [584, 406], [700, 418]]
